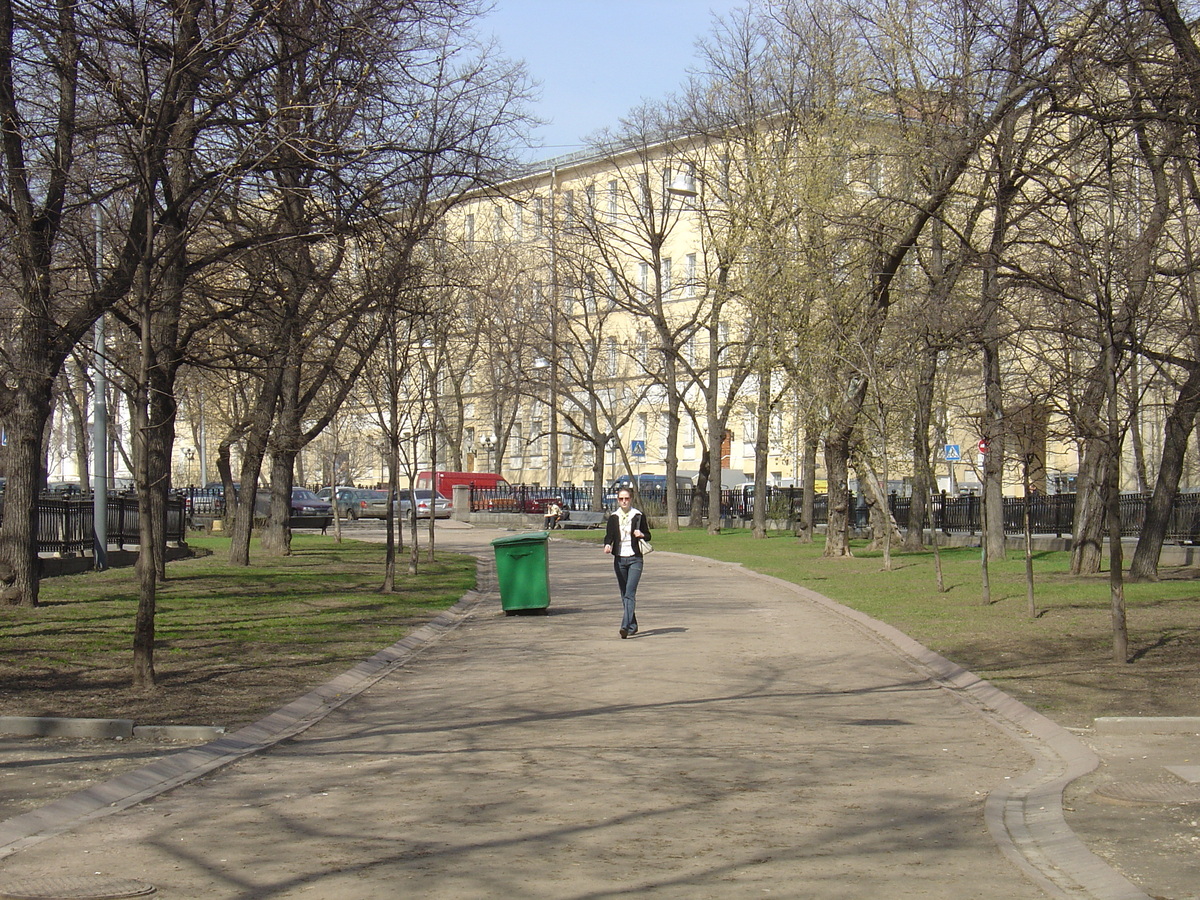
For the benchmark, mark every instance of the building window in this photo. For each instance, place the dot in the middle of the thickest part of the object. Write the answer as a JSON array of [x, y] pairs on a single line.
[[539, 216], [749, 426], [589, 194], [612, 201], [569, 207], [666, 276], [469, 228], [690, 287], [537, 446], [644, 193], [612, 357], [498, 226], [518, 220], [644, 280]]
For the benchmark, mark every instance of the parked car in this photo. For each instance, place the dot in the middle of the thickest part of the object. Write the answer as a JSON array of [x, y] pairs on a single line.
[[442, 508], [308, 510], [655, 485], [357, 503]]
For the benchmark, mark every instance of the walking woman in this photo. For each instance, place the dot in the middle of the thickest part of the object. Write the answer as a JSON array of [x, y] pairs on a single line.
[[623, 536]]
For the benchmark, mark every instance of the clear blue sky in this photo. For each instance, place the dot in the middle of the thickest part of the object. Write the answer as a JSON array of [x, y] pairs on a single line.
[[596, 59]]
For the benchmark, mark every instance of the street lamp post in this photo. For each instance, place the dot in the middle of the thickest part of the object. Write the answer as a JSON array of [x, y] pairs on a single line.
[[552, 472], [488, 443], [189, 454]]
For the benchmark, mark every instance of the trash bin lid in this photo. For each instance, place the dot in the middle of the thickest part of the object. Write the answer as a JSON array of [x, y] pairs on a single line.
[[532, 537]]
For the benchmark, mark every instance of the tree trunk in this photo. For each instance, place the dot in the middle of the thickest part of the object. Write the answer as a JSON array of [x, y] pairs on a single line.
[[276, 538], [1180, 422], [277, 534], [1112, 498], [225, 474], [598, 443], [716, 424], [762, 446], [18, 535], [252, 458], [884, 531], [804, 528], [76, 396], [838, 445], [918, 513], [672, 458], [699, 495], [393, 485], [1088, 532], [837, 463], [146, 567], [993, 460]]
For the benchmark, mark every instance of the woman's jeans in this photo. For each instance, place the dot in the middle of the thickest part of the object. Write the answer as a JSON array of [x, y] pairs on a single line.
[[629, 572]]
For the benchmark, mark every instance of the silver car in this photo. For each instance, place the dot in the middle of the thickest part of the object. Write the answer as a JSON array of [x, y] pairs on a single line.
[[358, 503], [442, 508]]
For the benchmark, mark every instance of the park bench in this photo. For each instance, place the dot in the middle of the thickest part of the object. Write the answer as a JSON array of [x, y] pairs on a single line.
[[583, 519]]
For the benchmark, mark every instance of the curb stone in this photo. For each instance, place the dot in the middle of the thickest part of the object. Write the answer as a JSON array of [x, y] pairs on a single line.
[[116, 729], [1147, 725]]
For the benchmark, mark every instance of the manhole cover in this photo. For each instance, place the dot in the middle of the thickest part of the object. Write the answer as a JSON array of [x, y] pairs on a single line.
[[75, 889], [1148, 792]]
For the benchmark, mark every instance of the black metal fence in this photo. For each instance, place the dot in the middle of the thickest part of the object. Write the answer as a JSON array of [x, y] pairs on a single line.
[[65, 526], [1050, 514]]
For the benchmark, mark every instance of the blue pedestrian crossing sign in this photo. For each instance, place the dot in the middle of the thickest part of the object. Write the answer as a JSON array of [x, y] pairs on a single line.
[[637, 448], [952, 452]]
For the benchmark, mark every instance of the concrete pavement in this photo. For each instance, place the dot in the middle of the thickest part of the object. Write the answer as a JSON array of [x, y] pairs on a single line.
[[752, 738]]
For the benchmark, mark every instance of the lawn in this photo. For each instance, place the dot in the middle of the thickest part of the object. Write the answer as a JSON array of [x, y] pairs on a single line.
[[232, 642], [1059, 661]]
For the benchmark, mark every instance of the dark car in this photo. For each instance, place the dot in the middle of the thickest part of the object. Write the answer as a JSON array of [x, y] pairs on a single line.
[[308, 510]]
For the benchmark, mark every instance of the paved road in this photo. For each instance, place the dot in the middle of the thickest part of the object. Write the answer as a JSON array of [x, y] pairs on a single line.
[[751, 740]]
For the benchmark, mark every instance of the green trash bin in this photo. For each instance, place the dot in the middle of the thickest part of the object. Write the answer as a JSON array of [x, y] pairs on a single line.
[[523, 570]]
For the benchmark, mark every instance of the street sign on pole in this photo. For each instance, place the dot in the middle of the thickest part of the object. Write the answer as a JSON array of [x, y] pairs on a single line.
[[983, 445], [637, 448], [952, 453]]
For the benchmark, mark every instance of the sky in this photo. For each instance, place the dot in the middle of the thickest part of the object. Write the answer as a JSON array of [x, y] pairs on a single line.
[[597, 59]]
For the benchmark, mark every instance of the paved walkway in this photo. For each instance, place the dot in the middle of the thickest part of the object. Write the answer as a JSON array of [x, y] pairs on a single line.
[[753, 739]]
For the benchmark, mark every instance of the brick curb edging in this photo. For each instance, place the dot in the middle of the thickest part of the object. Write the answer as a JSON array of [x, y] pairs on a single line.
[[183, 766], [1024, 815]]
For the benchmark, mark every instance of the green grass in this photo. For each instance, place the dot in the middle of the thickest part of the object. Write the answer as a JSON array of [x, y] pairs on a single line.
[[281, 623]]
